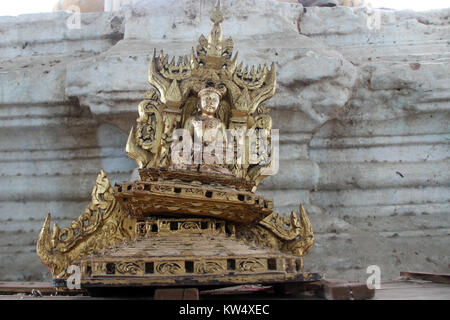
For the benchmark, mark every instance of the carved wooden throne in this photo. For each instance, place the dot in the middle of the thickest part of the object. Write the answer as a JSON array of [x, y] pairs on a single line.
[[183, 227]]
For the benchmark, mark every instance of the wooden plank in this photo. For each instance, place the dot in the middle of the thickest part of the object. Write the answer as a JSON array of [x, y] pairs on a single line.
[[176, 294], [413, 290], [298, 287], [237, 290], [44, 288], [344, 290], [428, 276]]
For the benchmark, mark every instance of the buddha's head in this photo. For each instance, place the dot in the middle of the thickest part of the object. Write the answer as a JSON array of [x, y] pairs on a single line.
[[209, 100]]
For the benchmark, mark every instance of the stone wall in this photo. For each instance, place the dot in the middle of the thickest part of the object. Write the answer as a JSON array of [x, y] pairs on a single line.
[[362, 106]]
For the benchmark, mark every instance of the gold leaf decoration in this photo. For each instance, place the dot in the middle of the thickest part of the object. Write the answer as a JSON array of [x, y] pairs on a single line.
[[102, 225], [209, 267], [128, 268], [178, 82], [251, 265], [168, 268]]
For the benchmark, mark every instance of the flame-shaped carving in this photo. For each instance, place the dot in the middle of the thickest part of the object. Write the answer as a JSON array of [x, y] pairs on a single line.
[[304, 241], [293, 234], [56, 261], [295, 231]]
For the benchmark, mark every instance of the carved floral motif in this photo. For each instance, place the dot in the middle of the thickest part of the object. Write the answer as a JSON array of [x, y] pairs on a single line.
[[128, 268], [209, 267], [168, 268], [251, 265]]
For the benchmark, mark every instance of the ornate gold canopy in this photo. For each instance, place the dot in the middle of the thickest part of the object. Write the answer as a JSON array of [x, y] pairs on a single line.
[[178, 83]]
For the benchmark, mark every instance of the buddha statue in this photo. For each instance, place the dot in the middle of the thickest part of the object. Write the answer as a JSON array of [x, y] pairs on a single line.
[[208, 134]]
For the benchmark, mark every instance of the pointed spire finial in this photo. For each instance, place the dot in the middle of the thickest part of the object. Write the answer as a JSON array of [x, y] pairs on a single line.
[[217, 14], [215, 36]]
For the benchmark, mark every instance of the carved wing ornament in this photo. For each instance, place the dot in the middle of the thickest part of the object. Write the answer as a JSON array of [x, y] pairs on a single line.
[[102, 225], [295, 233], [99, 210]]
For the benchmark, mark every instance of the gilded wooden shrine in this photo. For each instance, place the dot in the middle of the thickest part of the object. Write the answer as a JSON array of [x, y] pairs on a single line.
[[195, 222]]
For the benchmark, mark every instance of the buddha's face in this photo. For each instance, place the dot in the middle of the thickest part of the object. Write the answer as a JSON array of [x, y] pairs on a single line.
[[209, 102]]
